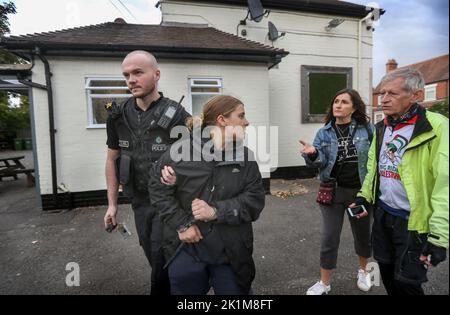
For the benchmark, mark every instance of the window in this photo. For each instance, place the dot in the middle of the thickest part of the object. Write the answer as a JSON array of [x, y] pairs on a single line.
[[380, 97], [379, 116], [430, 92], [201, 91], [319, 85], [101, 91]]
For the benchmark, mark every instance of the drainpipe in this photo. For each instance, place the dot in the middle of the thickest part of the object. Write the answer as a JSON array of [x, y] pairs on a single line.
[[52, 131], [358, 66]]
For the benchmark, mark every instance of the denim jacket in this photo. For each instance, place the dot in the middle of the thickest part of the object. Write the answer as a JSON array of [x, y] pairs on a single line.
[[326, 144]]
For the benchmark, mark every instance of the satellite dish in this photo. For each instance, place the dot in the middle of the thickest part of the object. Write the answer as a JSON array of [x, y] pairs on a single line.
[[255, 11], [273, 32]]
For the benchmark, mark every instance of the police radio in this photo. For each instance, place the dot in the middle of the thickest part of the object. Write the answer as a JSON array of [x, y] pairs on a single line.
[[168, 115]]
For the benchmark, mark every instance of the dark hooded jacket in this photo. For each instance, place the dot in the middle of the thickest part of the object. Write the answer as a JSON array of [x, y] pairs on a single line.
[[233, 186]]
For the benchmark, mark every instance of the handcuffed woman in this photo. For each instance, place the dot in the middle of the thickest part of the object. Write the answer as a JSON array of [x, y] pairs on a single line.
[[207, 215]]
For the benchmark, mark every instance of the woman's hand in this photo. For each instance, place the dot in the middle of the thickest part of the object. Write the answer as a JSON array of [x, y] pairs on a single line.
[[168, 176], [202, 211], [307, 148], [191, 235]]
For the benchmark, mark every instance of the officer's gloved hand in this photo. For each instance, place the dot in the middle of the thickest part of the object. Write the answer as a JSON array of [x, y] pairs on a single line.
[[437, 253]]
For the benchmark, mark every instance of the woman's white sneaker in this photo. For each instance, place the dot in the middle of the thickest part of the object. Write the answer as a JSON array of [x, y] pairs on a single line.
[[319, 289], [364, 282]]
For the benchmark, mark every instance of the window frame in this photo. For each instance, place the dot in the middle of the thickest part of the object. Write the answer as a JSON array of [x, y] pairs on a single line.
[[376, 113], [191, 85], [90, 96], [430, 88], [306, 70]]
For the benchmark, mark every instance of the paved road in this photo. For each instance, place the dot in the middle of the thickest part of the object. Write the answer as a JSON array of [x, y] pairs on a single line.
[[35, 248]]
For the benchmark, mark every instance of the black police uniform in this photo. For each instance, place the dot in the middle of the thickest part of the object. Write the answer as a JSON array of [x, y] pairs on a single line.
[[142, 137]]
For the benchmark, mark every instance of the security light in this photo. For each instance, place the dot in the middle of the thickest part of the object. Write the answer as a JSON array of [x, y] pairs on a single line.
[[334, 23]]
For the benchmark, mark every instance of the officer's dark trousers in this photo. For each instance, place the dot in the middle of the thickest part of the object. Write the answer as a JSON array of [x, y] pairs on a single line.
[[149, 230], [397, 252], [190, 276]]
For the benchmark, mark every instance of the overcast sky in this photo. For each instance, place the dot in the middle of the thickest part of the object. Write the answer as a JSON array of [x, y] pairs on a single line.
[[45, 15], [409, 31]]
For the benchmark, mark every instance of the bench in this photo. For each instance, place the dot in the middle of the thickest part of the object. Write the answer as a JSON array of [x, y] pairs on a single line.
[[13, 171], [12, 161]]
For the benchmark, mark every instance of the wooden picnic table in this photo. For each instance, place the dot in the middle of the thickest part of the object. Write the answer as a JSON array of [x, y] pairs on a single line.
[[12, 166], [13, 161]]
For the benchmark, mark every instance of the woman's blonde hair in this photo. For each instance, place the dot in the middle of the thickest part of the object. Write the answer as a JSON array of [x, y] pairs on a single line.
[[219, 105]]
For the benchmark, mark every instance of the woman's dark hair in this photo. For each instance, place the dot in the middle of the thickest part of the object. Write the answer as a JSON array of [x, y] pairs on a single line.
[[358, 105]]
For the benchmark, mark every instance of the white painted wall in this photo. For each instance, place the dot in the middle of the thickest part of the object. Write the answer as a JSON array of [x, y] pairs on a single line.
[[81, 152], [308, 44]]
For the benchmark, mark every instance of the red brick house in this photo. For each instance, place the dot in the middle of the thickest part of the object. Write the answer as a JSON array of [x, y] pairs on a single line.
[[435, 72]]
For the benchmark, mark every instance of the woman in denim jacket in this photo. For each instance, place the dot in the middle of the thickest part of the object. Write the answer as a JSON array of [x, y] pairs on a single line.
[[340, 151]]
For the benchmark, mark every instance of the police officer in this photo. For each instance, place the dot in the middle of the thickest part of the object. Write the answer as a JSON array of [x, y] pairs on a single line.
[[138, 134]]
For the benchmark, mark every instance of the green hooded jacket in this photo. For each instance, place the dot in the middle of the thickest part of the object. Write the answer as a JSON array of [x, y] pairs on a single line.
[[423, 172]]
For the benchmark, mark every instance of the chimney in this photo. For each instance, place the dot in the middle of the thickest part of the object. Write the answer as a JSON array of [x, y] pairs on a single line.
[[391, 65], [120, 21]]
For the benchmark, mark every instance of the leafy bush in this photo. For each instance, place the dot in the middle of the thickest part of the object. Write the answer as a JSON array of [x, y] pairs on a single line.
[[12, 119], [441, 108]]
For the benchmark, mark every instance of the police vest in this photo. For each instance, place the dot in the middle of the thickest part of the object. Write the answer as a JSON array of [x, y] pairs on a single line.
[[142, 147]]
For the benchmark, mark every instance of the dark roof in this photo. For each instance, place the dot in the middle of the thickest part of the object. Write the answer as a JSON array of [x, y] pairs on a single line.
[[9, 76], [332, 7], [433, 70], [116, 39], [15, 68]]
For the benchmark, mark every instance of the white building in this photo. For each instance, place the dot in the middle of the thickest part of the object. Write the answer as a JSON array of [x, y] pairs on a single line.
[[286, 83]]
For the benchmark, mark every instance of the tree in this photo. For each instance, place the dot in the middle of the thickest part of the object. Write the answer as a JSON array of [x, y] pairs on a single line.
[[5, 9], [12, 118], [8, 58], [440, 107]]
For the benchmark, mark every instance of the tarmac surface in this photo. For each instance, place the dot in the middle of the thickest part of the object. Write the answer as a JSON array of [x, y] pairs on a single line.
[[36, 246]]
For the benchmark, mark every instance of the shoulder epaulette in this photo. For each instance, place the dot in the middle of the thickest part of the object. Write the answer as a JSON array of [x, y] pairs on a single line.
[[114, 110]]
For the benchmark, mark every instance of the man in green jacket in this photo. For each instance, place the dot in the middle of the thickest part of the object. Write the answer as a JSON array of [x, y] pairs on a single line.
[[407, 181]]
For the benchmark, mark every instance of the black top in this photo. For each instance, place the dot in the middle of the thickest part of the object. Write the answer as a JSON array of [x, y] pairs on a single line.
[[345, 169], [139, 116]]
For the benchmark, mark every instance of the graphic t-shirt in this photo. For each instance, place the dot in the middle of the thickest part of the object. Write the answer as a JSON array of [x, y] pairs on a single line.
[[395, 141], [345, 169]]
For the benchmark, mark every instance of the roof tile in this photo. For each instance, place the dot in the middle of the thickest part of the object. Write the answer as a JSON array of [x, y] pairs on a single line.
[[433, 70], [117, 35]]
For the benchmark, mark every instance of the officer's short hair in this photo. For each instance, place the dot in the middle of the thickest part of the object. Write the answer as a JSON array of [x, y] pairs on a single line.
[[154, 62]]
